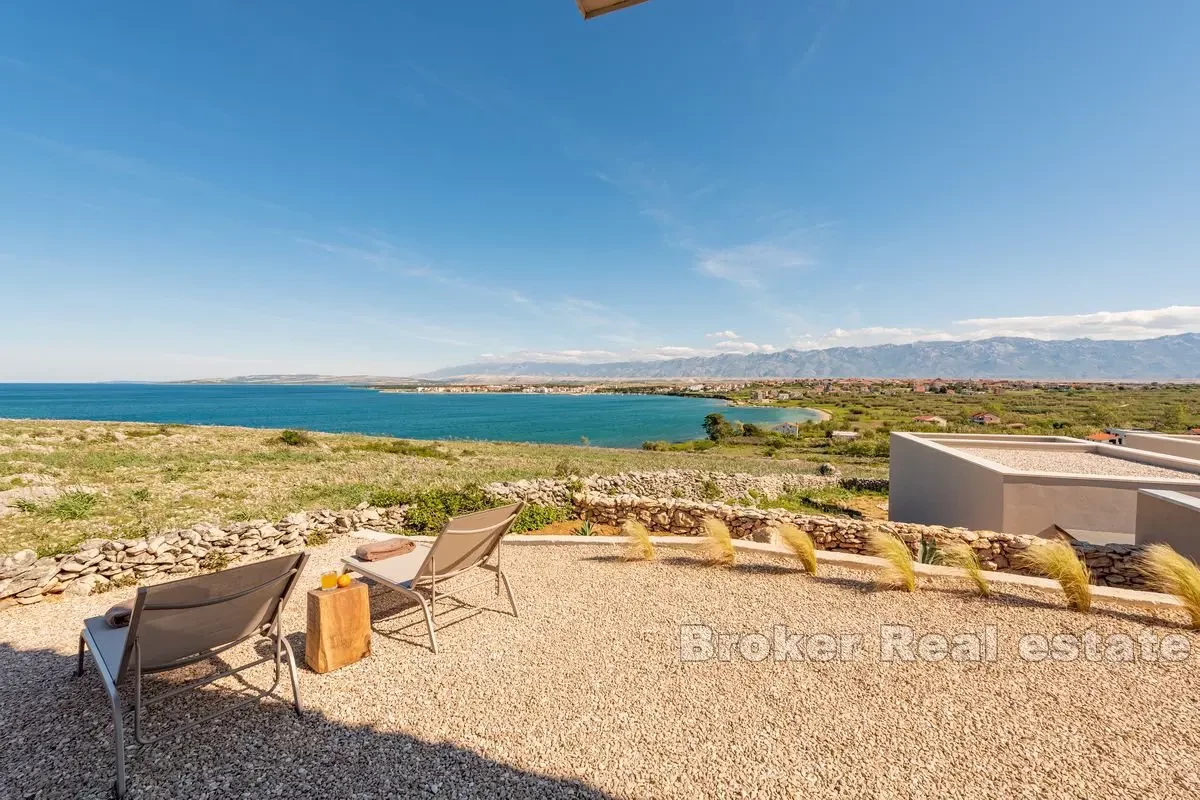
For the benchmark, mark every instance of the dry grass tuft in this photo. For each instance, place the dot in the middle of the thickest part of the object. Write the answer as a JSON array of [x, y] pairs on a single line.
[[1174, 574], [964, 557], [1058, 560], [640, 546], [801, 544], [899, 573], [719, 547]]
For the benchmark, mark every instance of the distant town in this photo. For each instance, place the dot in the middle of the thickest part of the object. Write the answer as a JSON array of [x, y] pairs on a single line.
[[769, 391]]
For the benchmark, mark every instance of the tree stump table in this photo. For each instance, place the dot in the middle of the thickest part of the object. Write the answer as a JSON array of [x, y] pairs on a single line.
[[339, 627]]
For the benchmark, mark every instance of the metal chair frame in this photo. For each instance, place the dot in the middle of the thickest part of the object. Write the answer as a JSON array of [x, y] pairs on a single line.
[[423, 589], [132, 662]]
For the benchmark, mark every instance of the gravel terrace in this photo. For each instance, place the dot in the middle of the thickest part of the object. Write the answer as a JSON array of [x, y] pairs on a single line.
[[585, 695], [1074, 463]]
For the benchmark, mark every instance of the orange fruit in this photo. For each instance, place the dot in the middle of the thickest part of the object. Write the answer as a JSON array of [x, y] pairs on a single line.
[[343, 580]]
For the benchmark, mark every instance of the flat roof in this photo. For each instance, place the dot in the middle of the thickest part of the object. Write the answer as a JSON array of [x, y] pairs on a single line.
[[1070, 462]]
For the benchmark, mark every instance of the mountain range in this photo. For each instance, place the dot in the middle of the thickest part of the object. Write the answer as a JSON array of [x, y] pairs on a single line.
[[1164, 358]]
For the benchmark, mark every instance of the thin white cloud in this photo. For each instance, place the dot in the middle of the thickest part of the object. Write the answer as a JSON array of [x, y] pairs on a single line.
[[674, 351], [554, 356], [722, 335], [744, 347], [818, 39], [749, 264], [373, 248], [767, 245], [381, 259], [1137, 324], [645, 353]]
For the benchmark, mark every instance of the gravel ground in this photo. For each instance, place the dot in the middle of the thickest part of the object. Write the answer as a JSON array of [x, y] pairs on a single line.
[[585, 695], [1075, 463]]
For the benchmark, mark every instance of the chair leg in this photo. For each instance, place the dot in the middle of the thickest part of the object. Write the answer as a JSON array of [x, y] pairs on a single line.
[[287, 648], [79, 663], [508, 588], [429, 625], [119, 740]]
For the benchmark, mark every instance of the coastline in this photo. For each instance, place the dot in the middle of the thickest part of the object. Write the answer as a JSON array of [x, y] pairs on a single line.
[[605, 420], [821, 414]]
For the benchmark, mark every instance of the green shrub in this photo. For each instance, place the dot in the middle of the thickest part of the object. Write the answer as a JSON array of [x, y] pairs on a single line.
[[316, 538], [28, 506], [709, 490], [429, 510], [141, 495], [718, 428], [294, 438], [215, 561], [141, 433], [123, 582], [401, 447], [71, 505], [928, 552], [692, 446], [384, 498], [565, 469], [534, 518], [333, 495]]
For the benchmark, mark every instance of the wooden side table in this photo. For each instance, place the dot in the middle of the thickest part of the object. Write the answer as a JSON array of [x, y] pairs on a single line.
[[339, 627]]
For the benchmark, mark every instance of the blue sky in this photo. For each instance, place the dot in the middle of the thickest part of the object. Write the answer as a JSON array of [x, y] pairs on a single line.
[[221, 188]]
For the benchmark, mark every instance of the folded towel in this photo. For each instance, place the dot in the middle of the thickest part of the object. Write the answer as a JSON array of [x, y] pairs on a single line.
[[377, 551], [118, 616]]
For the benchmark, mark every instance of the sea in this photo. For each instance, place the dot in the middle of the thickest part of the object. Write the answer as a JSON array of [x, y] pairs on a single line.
[[602, 420]]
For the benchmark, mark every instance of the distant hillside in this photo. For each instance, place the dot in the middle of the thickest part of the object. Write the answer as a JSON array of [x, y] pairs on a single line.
[[1164, 358]]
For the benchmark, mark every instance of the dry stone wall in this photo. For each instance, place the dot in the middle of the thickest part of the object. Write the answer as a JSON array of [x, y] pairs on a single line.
[[95, 563], [1115, 565], [687, 484]]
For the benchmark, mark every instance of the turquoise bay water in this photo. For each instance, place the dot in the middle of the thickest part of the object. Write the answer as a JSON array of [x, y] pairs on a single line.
[[607, 420]]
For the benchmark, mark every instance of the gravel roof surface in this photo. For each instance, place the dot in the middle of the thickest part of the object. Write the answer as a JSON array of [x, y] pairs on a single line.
[[585, 695], [1075, 463]]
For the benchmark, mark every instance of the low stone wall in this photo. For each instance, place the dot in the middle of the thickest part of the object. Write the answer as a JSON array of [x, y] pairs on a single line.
[[687, 484], [1115, 565], [95, 563]]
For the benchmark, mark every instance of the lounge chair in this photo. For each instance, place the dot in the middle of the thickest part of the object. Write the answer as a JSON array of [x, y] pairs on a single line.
[[176, 624], [465, 543]]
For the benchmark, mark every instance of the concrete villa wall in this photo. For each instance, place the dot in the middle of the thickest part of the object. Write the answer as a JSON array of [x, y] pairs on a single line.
[[1169, 518], [929, 487], [1179, 446], [932, 482]]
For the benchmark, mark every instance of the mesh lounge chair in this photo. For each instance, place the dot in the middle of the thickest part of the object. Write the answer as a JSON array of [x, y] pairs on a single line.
[[183, 622], [465, 543]]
